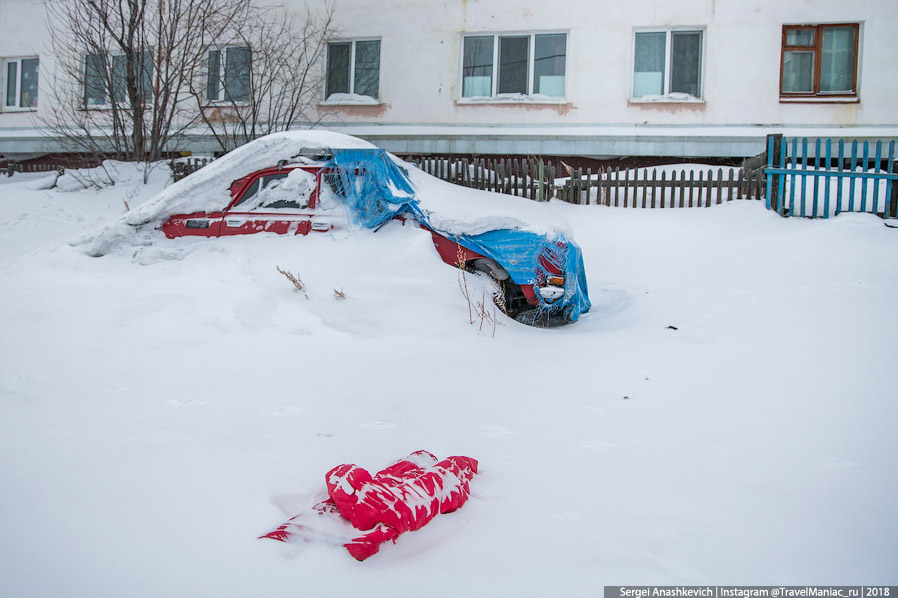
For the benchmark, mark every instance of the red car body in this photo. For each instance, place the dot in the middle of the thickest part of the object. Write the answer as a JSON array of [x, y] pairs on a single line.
[[309, 217]]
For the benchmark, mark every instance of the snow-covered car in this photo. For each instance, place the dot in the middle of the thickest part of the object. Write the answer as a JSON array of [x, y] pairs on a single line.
[[316, 182]]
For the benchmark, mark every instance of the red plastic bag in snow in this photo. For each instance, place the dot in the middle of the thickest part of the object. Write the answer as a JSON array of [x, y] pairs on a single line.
[[403, 497]]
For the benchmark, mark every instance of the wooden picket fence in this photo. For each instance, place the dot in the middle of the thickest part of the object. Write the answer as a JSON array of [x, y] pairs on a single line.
[[13, 167], [678, 189], [182, 168], [820, 178], [533, 178], [537, 180]]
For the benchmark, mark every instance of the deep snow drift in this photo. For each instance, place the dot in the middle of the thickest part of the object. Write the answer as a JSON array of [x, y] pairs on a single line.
[[164, 405]]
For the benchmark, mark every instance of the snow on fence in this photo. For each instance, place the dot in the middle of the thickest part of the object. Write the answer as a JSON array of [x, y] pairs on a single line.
[[820, 180], [14, 167], [685, 185]]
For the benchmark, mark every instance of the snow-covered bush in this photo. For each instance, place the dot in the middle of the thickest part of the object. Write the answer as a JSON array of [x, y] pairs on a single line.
[[110, 173]]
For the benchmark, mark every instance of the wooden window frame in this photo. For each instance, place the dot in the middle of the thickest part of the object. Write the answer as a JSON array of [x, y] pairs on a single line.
[[816, 95]]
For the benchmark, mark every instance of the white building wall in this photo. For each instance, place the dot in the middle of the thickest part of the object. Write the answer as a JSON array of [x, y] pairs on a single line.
[[420, 74], [420, 63]]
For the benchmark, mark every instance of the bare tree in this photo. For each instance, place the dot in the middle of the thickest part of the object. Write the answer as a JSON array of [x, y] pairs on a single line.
[[268, 77], [124, 69]]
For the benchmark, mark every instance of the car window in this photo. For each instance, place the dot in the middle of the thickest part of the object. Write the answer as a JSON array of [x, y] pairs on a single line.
[[280, 190], [251, 192]]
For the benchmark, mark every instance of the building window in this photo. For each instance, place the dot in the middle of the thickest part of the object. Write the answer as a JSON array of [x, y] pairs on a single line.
[[104, 72], [667, 65], [514, 65], [819, 60], [228, 74], [20, 83], [353, 68]]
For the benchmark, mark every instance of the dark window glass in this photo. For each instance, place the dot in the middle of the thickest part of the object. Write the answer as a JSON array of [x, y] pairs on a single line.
[[143, 74], [278, 199], [94, 80], [119, 84], [798, 72], [213, 75], [146, 77], [686, 62], [513, 52], [836, 59], [271, 178], [238, 65], [648, 71], [477, 67], [11, 76], [800, 37], [338, 68], [249, 193], [367, 68], [548, 64]]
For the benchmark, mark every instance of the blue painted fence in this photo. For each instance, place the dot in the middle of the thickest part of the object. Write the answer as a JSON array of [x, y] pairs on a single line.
[[828, 176]]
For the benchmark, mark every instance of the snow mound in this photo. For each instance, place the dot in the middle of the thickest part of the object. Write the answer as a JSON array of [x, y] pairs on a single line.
[[464, 211], [110, 173]]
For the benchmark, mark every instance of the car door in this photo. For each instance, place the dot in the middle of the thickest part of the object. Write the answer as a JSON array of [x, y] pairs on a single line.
[[277, 201]]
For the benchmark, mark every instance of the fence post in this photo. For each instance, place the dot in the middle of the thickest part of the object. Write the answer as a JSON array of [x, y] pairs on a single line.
[[893, 200], [550, 188], [774, 151], [540, 196], [588, 184]]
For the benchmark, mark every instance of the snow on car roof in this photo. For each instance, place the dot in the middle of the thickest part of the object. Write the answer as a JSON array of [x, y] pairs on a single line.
[[208, 189], [451, 208], [461, 210]]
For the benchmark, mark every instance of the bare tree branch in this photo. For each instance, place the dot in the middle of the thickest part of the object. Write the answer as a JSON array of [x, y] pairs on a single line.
[[124, 69]]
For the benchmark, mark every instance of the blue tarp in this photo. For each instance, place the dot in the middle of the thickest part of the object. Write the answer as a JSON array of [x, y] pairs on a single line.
[[372, 186], [376, 190], [525, 255]]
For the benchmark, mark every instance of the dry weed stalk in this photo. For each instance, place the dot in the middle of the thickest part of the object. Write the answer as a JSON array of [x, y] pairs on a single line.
[[462, 263], [339, 294], [298, 285], [487, 315], [478, 309]]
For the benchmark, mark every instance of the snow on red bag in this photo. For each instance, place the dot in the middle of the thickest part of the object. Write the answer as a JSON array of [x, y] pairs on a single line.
[[402, 497]]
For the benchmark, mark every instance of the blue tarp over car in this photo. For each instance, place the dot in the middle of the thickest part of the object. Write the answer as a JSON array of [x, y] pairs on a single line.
[[376, 189]]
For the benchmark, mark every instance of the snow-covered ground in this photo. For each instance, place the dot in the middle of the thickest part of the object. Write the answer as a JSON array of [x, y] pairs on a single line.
[[163, 406]]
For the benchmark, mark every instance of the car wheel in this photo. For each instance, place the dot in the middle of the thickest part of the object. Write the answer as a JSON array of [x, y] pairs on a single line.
[[491, 268], [541, 318]]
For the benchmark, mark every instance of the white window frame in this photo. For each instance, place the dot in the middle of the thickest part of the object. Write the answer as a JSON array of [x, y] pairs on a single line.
[[352, 42], [223, 59], [3, 79], [109, 58], [531, 67], [668, 54]]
